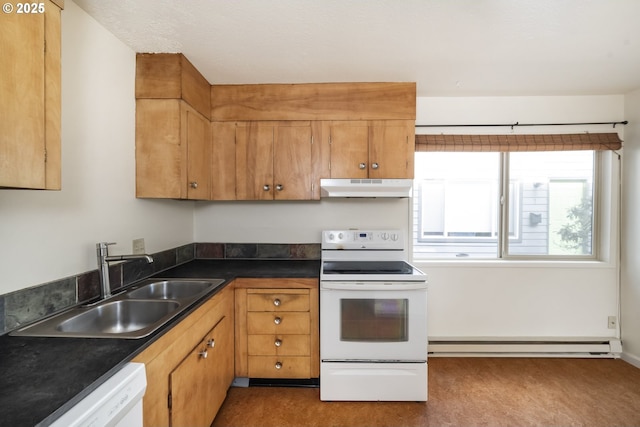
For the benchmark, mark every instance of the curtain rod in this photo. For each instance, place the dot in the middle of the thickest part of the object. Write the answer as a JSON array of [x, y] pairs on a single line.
[[512, 125]]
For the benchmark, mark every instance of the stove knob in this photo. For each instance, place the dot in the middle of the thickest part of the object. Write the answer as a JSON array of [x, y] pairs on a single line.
[[384, 236], [394, 236], [331, 236], [340, 236]]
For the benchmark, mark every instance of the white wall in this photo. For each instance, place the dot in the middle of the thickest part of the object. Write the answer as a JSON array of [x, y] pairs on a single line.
[[46, 236], [294, 222], [630, 322]]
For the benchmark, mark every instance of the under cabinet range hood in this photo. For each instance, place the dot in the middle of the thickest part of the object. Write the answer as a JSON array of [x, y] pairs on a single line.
[[365, 187]]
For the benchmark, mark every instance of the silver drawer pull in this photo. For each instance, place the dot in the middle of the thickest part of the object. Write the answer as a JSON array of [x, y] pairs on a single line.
[[278, 342], [277, 302], [277, 320], [193, 184], [362, 165], [266, 187], [211, 342], [203, 354], [375, 166], [278, 365]]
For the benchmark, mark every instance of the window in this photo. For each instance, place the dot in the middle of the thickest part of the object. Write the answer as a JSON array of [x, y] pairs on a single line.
[[542, 200]]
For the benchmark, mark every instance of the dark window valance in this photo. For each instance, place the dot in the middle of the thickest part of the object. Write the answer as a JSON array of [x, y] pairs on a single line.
[[536, 142]]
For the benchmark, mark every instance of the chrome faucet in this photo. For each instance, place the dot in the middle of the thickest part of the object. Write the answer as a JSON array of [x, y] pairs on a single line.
[[102, 250]]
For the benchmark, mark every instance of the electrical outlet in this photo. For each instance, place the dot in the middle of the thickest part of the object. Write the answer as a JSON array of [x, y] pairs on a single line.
[[612, 322], [138, 246]]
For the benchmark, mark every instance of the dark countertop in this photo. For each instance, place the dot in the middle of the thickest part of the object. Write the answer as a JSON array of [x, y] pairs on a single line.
[[41, 378]]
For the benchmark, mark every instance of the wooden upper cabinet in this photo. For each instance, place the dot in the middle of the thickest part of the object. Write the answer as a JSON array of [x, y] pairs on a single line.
[[375, 149], [349, 145], [254, 161], [292, 168], [171, 75], [30, 99], [172, 150], [198, 154], [223, 160], [273, 161], [391, 148], [265, 141], [314, 101], [173, 130]]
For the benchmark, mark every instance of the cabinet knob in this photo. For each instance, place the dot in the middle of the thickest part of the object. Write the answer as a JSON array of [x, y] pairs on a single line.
[[193, 184], [375, 166], [203, 354], [211, 342], [277, 302], [278, 342], [362, 165], [266, 187], [277, 320], [279, 187], [278, 365]]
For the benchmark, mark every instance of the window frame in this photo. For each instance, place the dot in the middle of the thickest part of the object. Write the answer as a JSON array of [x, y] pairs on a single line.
[[502, 252]]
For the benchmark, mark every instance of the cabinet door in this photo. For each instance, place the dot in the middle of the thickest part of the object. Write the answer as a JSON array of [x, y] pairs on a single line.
[[254, 161], [223, 161], [221, 343], [160, 166], [349, 146], [196, 127], [391, 149], [190, 389], [292, 169], [199, 383], [22, 99]]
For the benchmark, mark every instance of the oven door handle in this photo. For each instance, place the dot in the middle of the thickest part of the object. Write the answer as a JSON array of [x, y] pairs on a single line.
[[373, 286]]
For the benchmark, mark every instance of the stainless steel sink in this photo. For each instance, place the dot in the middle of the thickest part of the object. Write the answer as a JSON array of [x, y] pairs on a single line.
[[134, 313], [173, 289], [118, 317]]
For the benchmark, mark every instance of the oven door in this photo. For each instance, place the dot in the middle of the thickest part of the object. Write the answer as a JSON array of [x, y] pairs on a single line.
[[373, 321]]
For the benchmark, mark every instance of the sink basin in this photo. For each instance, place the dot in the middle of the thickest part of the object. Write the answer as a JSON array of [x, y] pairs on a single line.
[[118, 317], [134, 313], [173, 289]]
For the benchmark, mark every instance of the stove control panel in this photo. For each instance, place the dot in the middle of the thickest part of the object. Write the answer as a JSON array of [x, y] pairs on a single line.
[[363, 239]]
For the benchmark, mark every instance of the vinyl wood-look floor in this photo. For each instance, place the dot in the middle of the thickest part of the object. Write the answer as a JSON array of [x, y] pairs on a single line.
[[464, 392]]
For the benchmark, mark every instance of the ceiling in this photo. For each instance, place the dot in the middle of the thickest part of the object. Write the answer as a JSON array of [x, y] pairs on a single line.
[[449, 47]]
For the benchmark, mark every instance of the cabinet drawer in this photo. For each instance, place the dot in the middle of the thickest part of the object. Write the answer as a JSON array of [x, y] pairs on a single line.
[[279, 345], [278, 323], [278, 300], [279, 367]]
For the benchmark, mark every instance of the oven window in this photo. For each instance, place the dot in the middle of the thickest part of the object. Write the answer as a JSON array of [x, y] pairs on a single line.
[[374, 320]]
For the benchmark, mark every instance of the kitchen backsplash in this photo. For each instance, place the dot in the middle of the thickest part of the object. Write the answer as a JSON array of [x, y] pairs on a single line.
[[26, 305]]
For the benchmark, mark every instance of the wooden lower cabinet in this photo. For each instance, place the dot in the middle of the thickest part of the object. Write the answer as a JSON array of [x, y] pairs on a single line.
[[185, 388], [194, 402], [277, 328]]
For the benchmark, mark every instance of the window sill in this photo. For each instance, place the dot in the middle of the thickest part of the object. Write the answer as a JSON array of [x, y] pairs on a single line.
[[512, 263]]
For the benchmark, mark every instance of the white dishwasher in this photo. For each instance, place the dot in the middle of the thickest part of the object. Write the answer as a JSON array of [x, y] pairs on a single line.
[[115, 403]]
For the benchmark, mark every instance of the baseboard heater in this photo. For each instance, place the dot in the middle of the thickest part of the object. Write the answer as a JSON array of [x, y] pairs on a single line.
[[611, 348]]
